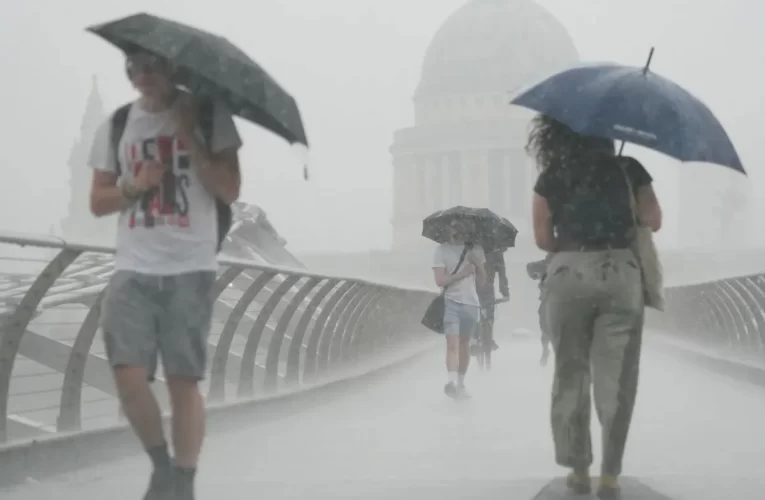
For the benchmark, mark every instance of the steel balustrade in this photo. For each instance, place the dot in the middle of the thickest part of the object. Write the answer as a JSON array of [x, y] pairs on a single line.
[[274, 329], [726, 315]]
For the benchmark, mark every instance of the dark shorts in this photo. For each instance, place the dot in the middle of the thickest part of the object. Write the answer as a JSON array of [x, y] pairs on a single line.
[[149, 316]]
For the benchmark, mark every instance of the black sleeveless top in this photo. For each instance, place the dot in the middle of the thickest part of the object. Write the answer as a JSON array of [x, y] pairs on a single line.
[[589, 200]]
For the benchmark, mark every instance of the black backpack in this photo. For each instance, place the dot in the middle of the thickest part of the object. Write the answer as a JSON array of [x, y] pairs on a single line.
[[205, 117]]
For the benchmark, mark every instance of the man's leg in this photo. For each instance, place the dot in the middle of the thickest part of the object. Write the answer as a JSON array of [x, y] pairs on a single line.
[[453, 351], [129, 329], [543, 337], [183, 345], [468, 324], [488, 330]]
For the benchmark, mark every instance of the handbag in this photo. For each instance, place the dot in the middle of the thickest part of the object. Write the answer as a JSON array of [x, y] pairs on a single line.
[[648, 257], [434, 314]]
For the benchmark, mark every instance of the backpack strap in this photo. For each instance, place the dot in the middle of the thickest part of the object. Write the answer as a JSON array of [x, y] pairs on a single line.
[[118, 123], [205, 117]]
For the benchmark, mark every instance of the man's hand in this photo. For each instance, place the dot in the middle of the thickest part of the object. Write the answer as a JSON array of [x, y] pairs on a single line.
[[467, 270], [472, 257], [150, 175]]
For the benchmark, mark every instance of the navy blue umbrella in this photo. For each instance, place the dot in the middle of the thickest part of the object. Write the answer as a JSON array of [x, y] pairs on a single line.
[[634, 105]]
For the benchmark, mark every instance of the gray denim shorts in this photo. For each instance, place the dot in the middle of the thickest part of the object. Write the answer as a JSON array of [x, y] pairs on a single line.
[[145, 316], [460, 319]]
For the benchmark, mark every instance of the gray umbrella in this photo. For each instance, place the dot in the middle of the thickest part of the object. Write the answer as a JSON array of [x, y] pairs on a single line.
[[490, 230], [211, 64]]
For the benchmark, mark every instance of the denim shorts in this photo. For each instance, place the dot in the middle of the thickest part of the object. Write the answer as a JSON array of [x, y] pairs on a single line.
[[149, 316], [460, 319]]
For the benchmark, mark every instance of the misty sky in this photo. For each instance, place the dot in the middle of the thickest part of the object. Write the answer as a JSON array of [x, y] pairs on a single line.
[[353, 66]]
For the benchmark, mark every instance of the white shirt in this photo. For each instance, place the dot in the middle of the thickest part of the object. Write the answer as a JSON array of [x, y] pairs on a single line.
[[175, 232], [446, 256]]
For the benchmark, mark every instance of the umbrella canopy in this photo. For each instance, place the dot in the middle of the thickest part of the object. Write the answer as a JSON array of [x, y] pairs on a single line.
[[210, 64], [488, 229], [635, 105]]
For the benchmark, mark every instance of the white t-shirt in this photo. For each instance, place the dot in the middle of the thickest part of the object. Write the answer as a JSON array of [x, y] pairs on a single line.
[[447, 256], [175, 232]]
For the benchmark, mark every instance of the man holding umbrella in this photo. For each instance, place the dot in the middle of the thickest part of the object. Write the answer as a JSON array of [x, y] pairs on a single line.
[[168, 163], [495, 269], [164, 181]]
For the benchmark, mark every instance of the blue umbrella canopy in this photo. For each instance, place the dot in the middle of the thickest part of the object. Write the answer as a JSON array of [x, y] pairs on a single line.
[[635, 105]]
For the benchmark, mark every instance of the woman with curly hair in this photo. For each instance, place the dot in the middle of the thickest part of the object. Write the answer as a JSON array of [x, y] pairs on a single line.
[[592, 297]]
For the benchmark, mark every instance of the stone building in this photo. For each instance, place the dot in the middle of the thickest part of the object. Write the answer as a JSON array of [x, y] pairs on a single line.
[[466, 146]]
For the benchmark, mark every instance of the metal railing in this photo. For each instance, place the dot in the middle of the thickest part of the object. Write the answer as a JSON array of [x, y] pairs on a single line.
[[274, 330], [724, 317]]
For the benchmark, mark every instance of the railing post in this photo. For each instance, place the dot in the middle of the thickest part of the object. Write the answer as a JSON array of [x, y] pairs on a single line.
[[270, 382], [14, 327], [217, 391], [246, 385]]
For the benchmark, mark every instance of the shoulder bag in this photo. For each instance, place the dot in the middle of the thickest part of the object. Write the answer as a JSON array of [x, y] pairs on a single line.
[[434, 315], [648, 257]]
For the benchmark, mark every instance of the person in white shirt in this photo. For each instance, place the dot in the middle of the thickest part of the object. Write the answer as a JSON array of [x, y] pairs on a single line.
[[164, 181], [462, 310]]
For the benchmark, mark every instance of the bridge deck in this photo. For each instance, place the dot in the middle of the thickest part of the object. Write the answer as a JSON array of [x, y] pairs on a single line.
[[696, 435]]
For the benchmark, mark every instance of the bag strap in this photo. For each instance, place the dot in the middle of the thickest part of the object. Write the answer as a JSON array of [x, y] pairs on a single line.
[[633, 201], [457, 267]]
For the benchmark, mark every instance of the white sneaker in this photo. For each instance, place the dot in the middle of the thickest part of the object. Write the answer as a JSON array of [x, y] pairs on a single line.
[[451, 390], [462, 392]]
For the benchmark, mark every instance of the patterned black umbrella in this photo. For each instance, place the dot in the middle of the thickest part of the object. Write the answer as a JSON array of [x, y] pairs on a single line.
[[211, 64], [488, 229]]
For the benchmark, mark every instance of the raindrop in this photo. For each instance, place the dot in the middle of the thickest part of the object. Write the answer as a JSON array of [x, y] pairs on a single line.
[[302, 154]]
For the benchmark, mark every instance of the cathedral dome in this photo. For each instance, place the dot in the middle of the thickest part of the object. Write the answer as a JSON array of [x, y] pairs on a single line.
[[494, 46]]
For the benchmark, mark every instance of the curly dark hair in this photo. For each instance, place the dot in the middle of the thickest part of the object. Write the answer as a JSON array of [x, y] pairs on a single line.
[[553, 143]]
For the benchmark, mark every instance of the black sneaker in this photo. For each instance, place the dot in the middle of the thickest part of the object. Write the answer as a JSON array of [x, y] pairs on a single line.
[[450, 390], [184, 484], [160, 484]]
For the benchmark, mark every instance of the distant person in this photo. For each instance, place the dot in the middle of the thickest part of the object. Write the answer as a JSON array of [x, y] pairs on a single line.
[[593, 294], [536, 271], [462, 309], [495, 268], [163, 180]]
